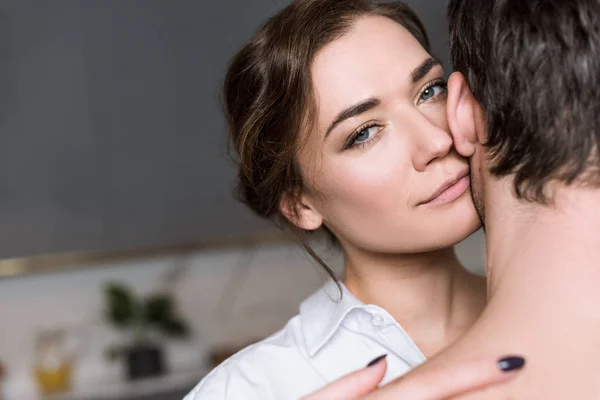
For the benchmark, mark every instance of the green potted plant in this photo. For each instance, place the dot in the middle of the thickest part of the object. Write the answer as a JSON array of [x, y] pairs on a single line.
[[148, 321]]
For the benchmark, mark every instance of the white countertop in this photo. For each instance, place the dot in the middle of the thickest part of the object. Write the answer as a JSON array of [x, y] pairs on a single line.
[[130, 389]]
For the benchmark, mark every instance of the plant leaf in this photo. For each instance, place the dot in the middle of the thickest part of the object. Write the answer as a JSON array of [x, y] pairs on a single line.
[[175, 327], [121, 305], [158, 308]]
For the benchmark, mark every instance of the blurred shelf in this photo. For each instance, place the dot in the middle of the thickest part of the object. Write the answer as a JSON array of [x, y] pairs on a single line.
[[14, 267]]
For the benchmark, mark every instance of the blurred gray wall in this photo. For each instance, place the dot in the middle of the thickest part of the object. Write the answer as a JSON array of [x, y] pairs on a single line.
[[111, 135]]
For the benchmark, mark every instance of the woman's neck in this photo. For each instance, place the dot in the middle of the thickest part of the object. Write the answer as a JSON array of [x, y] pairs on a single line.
[[430, 294]]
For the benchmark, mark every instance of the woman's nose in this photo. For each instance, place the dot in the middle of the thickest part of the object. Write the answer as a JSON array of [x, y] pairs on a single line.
[[431, 143]]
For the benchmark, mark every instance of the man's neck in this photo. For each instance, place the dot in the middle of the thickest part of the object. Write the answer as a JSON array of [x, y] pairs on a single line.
[[543, 287], [546, 254]]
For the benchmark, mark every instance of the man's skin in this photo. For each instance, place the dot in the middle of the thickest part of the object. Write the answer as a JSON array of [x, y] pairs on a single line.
[[542, 261]]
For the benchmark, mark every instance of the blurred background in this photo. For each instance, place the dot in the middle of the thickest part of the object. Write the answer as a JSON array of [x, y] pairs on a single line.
[[127, 269]]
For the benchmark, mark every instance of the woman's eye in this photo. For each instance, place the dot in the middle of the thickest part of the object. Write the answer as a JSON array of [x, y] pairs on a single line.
[[365, 134], [432, 91]]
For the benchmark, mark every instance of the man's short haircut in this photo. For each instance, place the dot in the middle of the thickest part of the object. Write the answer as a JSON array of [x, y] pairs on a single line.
[[534, 66]]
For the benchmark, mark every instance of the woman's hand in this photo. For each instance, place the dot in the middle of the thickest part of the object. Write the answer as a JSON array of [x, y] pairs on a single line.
[[435, 380]]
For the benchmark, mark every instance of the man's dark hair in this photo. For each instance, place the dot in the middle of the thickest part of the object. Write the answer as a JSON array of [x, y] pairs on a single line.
[[534, 66]]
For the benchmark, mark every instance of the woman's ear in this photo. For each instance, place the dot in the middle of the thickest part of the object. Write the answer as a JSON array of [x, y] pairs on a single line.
[[461, 107], [300, 211]]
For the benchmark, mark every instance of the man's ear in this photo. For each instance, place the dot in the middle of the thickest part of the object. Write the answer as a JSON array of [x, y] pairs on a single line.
[[461, 107], [300, 211]]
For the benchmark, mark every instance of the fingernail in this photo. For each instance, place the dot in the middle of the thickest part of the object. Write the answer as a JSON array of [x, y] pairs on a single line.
[[375, 361], [511, 363]]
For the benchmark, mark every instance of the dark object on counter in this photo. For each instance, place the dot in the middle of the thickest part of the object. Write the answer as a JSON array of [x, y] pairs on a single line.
[[144, 361]]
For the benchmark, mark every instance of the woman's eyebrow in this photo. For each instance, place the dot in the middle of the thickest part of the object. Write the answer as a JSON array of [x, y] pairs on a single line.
[[416, 75], [423, 69], [353, 111]]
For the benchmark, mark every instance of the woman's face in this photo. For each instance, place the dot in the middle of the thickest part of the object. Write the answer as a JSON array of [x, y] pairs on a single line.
[[380, 168]]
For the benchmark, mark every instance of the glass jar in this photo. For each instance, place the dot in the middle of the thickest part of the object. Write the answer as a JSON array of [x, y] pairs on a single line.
[[53, 366]]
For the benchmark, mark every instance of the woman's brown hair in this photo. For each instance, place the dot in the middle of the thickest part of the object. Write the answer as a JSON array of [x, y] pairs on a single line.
[[268, 97]]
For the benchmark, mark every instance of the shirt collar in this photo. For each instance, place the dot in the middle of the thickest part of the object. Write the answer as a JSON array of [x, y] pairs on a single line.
[[323, 312]]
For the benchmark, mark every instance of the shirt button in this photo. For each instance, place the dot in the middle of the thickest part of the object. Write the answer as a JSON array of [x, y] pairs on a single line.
[[377, 320]]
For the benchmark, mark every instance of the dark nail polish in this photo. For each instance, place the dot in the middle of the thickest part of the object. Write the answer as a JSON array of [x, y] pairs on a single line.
[[511, 363], [375, 361]]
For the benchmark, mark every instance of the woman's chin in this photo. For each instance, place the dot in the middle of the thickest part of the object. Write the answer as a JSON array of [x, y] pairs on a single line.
[[453, 225]]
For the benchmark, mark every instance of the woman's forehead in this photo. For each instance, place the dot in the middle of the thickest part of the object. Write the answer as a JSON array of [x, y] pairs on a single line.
[[376, 56]]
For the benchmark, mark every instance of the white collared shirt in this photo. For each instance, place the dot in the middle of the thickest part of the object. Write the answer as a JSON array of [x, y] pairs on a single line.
[[327, 340]]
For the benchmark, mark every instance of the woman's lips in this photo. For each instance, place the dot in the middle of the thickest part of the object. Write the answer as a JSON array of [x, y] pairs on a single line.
[[450, 193]]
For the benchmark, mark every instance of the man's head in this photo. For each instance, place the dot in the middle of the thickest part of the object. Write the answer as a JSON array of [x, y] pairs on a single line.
[[525, 103]]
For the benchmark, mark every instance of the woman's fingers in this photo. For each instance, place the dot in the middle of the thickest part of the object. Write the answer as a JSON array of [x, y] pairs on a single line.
[[355, 385], [443, 379], [435, 380]]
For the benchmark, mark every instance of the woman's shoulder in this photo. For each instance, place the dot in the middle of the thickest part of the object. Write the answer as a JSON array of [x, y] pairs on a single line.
[[259, 371], [262, 371]]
